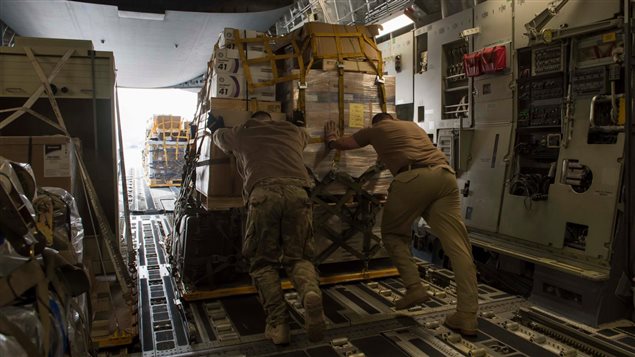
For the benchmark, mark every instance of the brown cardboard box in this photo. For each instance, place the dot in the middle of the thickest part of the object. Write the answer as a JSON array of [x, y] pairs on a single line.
[[227, 36], [228, 61], [350, 66], [51, 157], [216, 172], [225, 85], [244, 104]]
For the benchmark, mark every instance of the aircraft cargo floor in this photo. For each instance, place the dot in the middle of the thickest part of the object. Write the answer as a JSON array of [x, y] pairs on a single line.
[[361, 320]]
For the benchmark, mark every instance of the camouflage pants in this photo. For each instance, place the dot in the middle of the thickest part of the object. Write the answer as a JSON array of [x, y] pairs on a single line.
[[279, 231]]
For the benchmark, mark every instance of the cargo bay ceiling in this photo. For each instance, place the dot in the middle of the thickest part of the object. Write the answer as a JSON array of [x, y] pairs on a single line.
[[156, 43], [167, 43]]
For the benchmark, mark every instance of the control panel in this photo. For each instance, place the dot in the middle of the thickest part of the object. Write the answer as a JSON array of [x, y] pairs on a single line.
[[545, 115], [541, 92], [549, 59], [590, 81], [547, 88]]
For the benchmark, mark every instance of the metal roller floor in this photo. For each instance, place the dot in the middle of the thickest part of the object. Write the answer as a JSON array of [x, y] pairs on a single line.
[[361, 320]]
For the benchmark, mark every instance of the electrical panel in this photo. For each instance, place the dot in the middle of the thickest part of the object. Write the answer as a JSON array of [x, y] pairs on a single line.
[[547, 88], [541, 89], [590, 81], [548, 59]]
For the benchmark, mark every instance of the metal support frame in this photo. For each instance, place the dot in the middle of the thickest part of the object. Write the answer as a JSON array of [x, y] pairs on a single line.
[[536, 25], [354, 12], [130, 251], [8, 35], [629, 148]]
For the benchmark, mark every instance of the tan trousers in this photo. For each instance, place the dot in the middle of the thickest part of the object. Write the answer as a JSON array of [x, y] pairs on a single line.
[[430, 192]]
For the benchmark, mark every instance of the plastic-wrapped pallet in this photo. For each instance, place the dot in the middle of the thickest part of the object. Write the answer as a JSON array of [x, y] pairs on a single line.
[[361, 102], [166, 143]]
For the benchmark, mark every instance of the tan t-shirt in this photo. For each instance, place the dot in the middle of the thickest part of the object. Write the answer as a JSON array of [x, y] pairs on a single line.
[[399, 143], [265, 149]]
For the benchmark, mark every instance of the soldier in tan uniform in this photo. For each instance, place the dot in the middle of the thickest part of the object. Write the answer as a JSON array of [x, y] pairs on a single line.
[[279, 219], [424, 185]]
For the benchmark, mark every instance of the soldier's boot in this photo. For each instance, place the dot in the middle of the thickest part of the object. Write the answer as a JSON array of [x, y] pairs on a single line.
[[463, 322], [278, 334], [314, 316], [415, 294]]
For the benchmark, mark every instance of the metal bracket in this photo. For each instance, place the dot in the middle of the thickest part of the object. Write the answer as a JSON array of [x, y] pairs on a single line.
[[380, 80], [302, 85]]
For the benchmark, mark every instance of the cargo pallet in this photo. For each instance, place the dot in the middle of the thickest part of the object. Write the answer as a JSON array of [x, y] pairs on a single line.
[[382, 270], [155, 183]]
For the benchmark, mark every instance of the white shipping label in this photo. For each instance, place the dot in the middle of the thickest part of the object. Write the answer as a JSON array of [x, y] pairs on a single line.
[[56, 160]]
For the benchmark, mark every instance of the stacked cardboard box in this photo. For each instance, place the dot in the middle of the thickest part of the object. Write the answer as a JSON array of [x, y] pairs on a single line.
[[226, 95], [361, 98], [228, 77], [217, 177]]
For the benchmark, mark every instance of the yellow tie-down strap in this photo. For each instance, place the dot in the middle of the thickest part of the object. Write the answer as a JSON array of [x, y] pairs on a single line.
[[362, 40], [269, 56]]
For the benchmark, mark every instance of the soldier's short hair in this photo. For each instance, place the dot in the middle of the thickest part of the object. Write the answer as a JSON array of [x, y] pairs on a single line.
[[261, 115], [381, 116]]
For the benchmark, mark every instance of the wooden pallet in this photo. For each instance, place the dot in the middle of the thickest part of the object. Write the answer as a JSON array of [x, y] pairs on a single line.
[[247, 288], [154, 183]]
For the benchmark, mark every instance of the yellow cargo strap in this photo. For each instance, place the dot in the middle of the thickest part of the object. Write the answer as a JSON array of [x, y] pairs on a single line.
[[363, 41], [44, 213], [269, 57], [379, 69], [340, 96]]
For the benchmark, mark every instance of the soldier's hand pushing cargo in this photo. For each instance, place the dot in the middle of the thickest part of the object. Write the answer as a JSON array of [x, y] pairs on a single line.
[[279, 219], [424, 185]]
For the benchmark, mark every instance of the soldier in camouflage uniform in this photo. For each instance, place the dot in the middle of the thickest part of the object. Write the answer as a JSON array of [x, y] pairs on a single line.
[[279, 218]]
